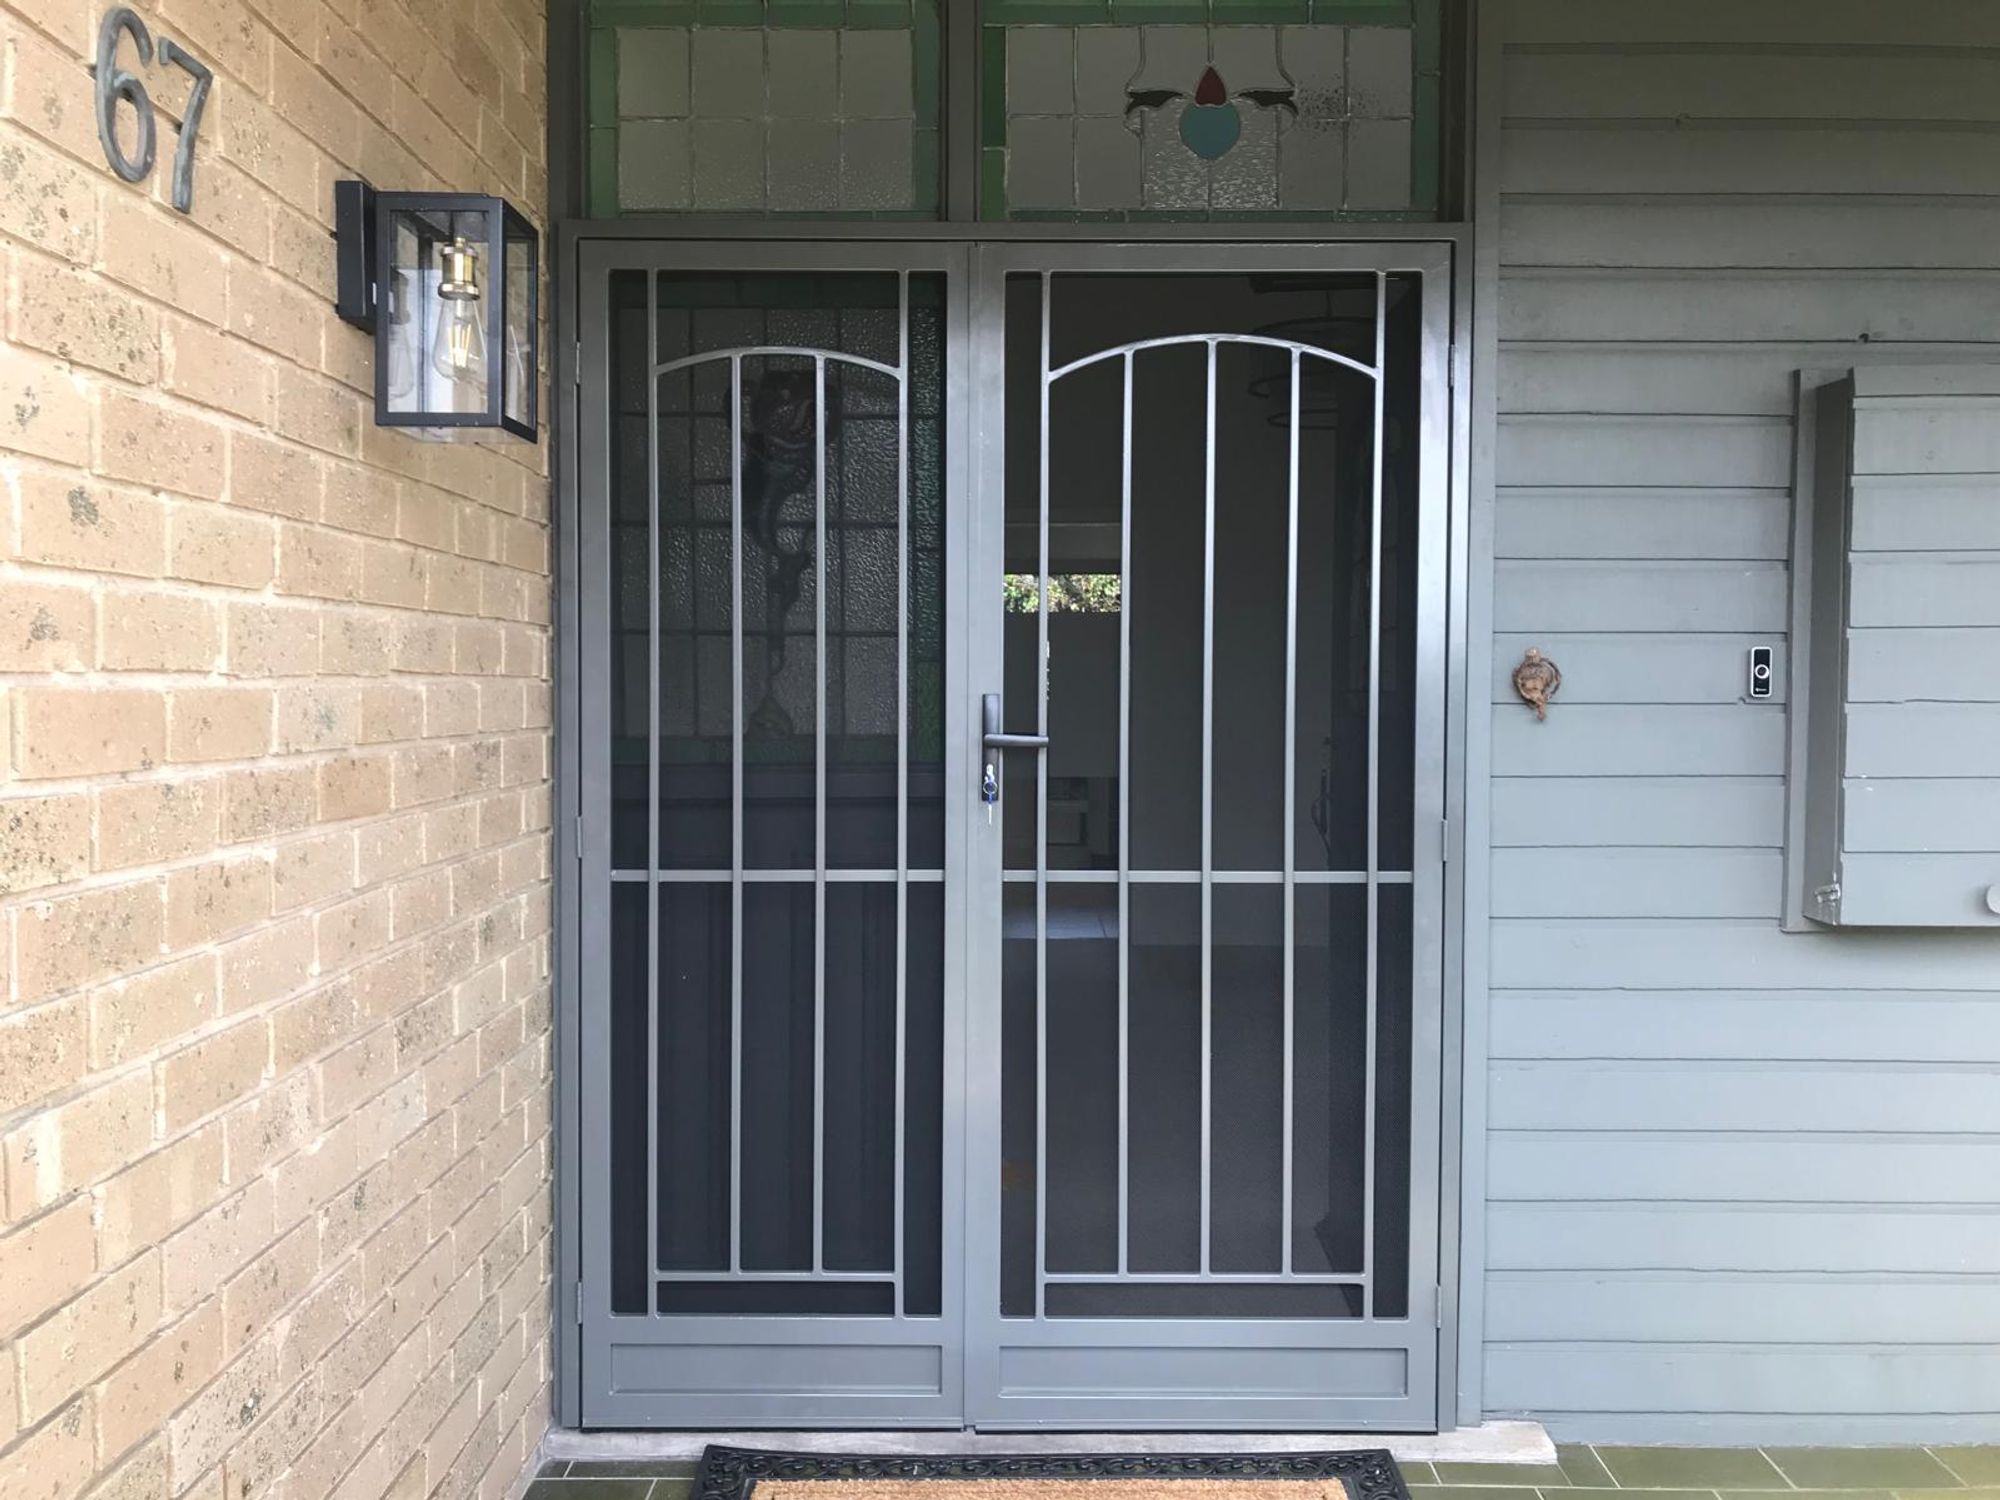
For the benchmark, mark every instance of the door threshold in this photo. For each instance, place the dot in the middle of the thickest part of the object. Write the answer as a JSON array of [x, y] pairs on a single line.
[[1512, 1442]]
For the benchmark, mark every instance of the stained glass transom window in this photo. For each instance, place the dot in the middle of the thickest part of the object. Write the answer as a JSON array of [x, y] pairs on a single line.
[[1198, 109], [782, 107]]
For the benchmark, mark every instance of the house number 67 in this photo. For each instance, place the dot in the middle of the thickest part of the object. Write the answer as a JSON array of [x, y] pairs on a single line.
[[114, 83]]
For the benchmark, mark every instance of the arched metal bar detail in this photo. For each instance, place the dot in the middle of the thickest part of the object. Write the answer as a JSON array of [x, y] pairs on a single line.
[[1211, 339], [761, 351]]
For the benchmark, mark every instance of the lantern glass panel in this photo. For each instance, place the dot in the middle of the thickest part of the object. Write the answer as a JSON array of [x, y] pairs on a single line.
[[438, 284], [518, 367]]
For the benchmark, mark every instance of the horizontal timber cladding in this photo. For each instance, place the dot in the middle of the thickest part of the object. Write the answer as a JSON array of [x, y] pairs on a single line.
[[1739, 1179]]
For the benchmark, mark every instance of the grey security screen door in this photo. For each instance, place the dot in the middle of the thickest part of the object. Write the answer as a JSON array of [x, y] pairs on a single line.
[[1203, 1039], [1011, 736]]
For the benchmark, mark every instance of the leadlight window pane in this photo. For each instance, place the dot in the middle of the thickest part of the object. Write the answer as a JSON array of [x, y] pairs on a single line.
[[1210, 109], [791, 108]]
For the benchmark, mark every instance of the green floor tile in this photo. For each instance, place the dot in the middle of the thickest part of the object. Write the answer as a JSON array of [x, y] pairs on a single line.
[[1862, 1468], [1585, 1492], [1526, 1476], [1580, 1465], [1973, 1465], [589, 1489], [1414, 1473], [1464, 1492], [1822, 1495], [1691, 1468], [631, 1468]]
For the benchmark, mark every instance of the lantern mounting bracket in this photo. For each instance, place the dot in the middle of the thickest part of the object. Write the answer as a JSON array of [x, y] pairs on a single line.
[[354, 241]]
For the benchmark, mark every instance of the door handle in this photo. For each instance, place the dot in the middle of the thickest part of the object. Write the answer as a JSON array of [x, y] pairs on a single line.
[[994, 738]]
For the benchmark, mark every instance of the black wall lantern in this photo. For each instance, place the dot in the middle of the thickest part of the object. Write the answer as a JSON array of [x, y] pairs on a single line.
[[447, 284]]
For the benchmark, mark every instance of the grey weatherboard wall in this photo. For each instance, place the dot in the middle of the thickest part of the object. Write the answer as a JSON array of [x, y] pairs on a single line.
[[1742, 1184]]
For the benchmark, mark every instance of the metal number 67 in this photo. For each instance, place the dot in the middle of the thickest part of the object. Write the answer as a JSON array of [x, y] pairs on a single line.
[[115, 83]]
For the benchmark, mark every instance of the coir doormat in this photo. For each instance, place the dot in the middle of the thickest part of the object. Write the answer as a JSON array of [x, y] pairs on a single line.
[[753, 1474]]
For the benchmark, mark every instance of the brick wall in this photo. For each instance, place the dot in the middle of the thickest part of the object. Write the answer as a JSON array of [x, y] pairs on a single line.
[[274, 807]]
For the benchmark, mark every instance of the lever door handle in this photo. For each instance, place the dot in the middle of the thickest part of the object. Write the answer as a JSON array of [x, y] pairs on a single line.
[[994, 738]]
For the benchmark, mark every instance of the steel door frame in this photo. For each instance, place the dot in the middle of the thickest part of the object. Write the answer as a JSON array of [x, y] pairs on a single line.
[[588, 251], [602, 1403], [987, 1333]]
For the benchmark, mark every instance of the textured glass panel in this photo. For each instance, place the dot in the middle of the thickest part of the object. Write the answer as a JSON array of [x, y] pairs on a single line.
[[1392, 1104], [1018, 1010], [630, 1275], [631, 543], [923, 1103], [1206, 109], [765, 108]]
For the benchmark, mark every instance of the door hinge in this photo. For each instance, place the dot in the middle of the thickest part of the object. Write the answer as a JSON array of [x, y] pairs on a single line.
[[1444, 840], [576, 363], [579, 838], [579, 1303], [1437, 1307]]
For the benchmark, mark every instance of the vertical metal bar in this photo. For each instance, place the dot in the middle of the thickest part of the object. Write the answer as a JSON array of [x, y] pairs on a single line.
[[902, 743], [1125, 835], [654, 543], [1042, 847], [819, 812], [1207, 801], [736, 812], [1374, 787], [1291, 795]]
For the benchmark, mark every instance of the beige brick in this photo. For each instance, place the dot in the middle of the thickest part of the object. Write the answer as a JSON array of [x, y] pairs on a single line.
[[208, 1426], [44, 408], [237, 41], [135, 1016], [149, 1200], [41, 1051], [384, 850], [274, 314], [64, 312], [141, 1476], [211, 368], [273, 640], [311, 1024], [306, 872], [145, 822], [211, 901], [218, 723], [285, 160], [97, 527], [46, 627], [315, 411], [53, 1462], [344, 933], [148, 442], [196, 1261], [63, 731], [232, 205], [356, 642], [44, 95], [88, 1336], [391, 711], [272, 961], [47, 200], [218, 1070], [80, 939], [141, 251], [137, 1397], [43, 1264], [209, 544], [78, 1143], [269, 1126], [360, 499], [264, 802], [318, 563], [159, 633], [352, 786], [43, 839], [318, 716], [276, 477]]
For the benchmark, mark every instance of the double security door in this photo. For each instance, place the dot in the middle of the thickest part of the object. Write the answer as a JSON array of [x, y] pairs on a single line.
[[1011, 706]]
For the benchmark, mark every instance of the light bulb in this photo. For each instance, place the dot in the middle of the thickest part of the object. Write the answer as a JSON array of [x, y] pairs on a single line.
[[402, 359], [459, 351]]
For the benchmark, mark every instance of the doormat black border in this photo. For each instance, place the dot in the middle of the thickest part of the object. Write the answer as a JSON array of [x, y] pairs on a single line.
[[729, 1473]]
